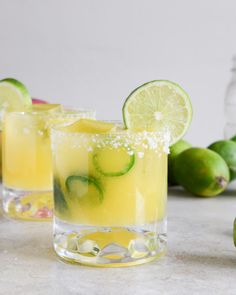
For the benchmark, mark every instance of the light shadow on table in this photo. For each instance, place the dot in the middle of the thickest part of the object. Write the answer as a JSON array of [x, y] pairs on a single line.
[[30, 249], [220, 261], [230, 193], [26, 240], [177, 191]]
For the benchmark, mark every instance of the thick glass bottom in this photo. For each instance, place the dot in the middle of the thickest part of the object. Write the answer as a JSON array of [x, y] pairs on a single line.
[[28, 205], [109, 246]]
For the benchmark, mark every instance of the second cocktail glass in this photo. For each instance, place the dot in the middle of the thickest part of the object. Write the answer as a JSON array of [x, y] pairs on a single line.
[[27, 163]]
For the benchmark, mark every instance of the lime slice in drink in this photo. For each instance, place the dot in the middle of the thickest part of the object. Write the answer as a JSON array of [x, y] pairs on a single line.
[[158, 106], [13, 95]]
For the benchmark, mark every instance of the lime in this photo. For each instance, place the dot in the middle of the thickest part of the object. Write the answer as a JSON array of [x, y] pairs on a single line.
[[89, 126], [233, 138], [227, 150], [158, 106], [202, 172], [13, 95], [175, 150]]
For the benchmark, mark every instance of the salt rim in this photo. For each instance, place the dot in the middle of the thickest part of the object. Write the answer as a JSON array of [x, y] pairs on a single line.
[[64, 112], [129, 140], [42, 121]]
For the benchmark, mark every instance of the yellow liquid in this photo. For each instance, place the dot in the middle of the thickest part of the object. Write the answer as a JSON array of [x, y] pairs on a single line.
[[136, 197], [27, 162], [0, 155], [27, 159]]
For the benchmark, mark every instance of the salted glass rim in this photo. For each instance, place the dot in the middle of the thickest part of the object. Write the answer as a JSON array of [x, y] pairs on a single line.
[[164, 134], [65, 112]]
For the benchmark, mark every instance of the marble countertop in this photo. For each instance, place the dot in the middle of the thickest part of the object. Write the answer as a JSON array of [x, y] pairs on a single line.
[[201, 258]]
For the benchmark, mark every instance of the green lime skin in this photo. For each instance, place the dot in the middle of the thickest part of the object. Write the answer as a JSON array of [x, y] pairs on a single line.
[[202, 172], [143, 102], [233, 138], [19, 85], [175, 150], [227, 150]]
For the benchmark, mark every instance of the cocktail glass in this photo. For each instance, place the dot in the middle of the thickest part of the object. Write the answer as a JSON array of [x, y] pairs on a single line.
[[27, 163], [110, 194]]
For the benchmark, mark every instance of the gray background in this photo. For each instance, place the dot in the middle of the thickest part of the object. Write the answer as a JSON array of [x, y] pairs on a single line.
[[93, 53]]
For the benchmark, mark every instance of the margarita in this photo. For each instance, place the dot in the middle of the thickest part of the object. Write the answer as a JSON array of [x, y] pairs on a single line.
[[110, 188], [27, 164]]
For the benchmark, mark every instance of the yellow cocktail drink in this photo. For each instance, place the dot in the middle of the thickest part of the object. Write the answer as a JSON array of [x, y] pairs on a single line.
[[106, 180], [27, 161]]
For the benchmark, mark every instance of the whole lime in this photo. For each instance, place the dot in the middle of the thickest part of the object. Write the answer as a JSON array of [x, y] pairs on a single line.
[[202, 172], [233, 138], [227, 150], [175, 150]]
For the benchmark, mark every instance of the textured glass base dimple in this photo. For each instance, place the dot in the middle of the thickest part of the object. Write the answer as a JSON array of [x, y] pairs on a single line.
[[28, 205], [109, 246]]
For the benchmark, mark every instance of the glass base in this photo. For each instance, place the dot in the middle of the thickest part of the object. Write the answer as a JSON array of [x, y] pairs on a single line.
[[109, 246], [28, 205]]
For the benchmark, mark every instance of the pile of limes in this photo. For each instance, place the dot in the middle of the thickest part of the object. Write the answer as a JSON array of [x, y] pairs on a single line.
[[205, 172]]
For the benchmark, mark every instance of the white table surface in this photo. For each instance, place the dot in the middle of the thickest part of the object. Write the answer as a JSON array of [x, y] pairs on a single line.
[[201, 257]]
